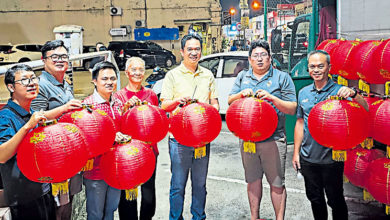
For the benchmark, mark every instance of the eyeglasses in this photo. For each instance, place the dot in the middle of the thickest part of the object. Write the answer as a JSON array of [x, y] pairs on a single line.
[[113, 79], [57, 57], [26, 82], [258, 55], [320, 67], [140, 70], [196, 50]]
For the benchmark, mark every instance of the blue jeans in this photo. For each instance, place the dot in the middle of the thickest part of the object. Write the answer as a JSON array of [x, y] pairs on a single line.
[[182, 161], [102, 199]]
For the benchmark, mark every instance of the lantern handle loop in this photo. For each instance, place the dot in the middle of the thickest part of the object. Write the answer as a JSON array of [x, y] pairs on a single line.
[[89, 107], [335, 97], [190, 101], [48, 122], [141, 103], [124, 141]]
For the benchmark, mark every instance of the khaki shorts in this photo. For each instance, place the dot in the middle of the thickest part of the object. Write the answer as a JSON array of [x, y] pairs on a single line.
[[270, 158]]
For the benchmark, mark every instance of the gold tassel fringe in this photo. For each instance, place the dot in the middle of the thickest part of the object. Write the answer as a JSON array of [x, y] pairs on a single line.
[[387, 210], [131, 194], [368, 143], [200, 152], [367, 196], [88, 166], [249, 147], [59, 188], [339, 155], [388, 151], [345, 179]]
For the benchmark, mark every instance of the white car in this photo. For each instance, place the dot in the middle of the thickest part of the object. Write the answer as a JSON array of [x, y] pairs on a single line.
[[225, 67], [21, 53]]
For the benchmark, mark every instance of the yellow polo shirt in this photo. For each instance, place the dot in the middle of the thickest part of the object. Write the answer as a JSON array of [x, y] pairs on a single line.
[[181, 82]]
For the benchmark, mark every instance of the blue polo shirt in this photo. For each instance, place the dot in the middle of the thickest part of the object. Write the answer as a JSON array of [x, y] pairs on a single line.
[[275, 82], [51, 93], [311, 151], [17, 188]]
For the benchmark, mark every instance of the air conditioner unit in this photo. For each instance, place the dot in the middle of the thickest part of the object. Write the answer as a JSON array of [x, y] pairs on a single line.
[[115, 11], [139, 23]]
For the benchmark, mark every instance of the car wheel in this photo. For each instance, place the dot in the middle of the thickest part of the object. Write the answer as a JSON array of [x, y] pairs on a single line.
[[24, 60], [86, 64], [168, 62]]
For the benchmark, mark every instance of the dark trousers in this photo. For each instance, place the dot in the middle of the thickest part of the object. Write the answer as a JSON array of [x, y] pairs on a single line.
[[39, 209], [128, 209], [328, 179]]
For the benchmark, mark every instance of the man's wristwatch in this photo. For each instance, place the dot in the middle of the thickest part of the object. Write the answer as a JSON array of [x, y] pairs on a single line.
[[356, 92]]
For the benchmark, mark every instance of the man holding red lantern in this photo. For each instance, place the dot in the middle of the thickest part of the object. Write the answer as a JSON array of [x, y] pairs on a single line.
[[315, 162], [185, 82], [131, 95], [269, 157]]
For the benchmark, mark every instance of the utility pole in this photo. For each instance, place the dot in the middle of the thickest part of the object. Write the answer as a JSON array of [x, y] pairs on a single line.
[[265, 20], [244, 18]]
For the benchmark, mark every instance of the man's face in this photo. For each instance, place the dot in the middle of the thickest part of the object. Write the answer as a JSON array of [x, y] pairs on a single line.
[[53, 61], [191, 52], [24, 88], [135, 72], [260, 60], [318, 67], [106, 82]]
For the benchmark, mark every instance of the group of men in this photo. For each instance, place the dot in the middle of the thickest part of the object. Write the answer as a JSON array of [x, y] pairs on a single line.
[[34, 99]]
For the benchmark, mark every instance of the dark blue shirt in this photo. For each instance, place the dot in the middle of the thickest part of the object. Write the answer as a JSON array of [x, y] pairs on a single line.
[[17, 188], [309, 96], [275, 82], [52, 93]]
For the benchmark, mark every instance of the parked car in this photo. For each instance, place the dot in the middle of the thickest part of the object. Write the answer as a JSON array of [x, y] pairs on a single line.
[[225, 67], [153, 54], [21, 53]]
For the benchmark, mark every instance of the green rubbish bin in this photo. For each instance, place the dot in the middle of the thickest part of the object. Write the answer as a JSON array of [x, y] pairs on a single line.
[[299, 82]]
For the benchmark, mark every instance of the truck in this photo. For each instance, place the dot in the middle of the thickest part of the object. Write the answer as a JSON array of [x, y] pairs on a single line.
[[349, 19]]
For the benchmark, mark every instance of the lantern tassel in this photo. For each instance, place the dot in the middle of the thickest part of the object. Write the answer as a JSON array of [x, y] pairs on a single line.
[[88, 166], [345, 179], [367, 196], [200, 152], [249, 147], [131, 194], [368, 143], [388, 151], [387, 210], [339, 155], [342, 81], [59, 188]]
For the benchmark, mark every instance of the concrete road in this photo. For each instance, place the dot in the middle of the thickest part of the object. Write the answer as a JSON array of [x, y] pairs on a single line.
[[227, 197]]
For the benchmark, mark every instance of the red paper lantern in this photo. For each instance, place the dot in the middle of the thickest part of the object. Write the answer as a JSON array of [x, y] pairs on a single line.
[[338, 124], [373, 105], [53, 153], [381, 57], [342, 59], [329, 45], [128, 165], [146, 123], [362, 62], [98, 127], [251, 119], [356, 166], [377, 183], [382, 123], [196, 124]]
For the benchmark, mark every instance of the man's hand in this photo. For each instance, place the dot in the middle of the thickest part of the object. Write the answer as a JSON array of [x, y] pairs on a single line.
[[121, 137], [246, 92], [72, 105], [345, 92], [295, 162], [131, 103], [182, 100], [35, 119], [263, 94]]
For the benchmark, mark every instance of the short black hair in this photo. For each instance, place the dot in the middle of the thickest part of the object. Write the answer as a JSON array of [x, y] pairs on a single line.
[[189, 37], [52, 45], [259, 43], [9, 77], [101, 66], [319, 52]]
